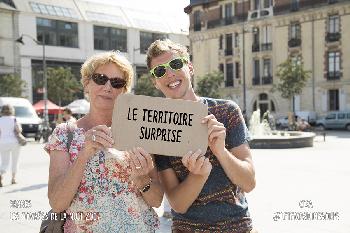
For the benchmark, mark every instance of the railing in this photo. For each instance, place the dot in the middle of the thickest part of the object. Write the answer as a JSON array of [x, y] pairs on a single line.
[[224, 21], [333, 75], [255, 47], [266, 46], [256, 81], [333, 37], [266, 80], [294, 42]]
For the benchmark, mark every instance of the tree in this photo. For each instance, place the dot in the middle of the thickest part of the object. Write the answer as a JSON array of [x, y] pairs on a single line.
[[292, 79], [12, 85], [209, 84], [62, 85], [144, 86]]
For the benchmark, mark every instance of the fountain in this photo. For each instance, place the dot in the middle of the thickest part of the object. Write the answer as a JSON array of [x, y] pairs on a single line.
[[263, 137]]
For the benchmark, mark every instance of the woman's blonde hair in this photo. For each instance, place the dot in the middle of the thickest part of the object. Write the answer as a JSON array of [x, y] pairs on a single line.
[[159, 47], [91, 64], [7, 110]]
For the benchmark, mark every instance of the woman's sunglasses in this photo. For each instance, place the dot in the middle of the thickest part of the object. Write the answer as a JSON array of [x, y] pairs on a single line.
[[101, 79], [175, 64]]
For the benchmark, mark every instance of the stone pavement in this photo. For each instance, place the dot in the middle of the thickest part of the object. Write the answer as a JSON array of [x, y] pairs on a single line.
[[293, 185]]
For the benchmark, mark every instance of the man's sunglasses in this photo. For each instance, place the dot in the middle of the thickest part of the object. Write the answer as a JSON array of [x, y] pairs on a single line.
[[175, 64], [101, 79]]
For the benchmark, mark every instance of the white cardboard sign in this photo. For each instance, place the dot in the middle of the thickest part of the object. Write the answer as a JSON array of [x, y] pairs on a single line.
[[159, 125]]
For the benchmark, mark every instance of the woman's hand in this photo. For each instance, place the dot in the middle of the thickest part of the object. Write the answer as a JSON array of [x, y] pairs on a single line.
[[97, 138], [141, 162]]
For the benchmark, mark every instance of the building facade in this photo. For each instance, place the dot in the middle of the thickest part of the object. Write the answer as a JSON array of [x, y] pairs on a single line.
[[248, 39], [73, 30]]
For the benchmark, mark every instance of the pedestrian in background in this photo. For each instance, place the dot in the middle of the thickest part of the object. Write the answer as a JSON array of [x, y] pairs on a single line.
[[82, 179], [9, 146], [68, 116], [205, 188]]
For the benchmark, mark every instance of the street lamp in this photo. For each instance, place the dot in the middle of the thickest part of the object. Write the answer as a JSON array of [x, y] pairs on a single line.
[[20, 40]]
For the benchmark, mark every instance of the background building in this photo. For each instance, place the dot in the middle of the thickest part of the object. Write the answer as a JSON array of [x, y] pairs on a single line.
[[248, 39], [74, 30]]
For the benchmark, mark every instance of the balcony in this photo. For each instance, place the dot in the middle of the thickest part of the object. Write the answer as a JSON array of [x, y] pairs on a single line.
[[333, 37], [333, 75], [256, 81], [294, 42], [255, 47], [228, 52], [224, 21], [266, 46], [266, 80]]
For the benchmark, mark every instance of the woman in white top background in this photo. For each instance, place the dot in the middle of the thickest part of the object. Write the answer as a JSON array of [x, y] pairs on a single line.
[[9, 146]]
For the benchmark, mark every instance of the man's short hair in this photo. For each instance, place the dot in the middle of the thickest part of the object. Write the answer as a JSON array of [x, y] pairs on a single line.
[[159, 47]]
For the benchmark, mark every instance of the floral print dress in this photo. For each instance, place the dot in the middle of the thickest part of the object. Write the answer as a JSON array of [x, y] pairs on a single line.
[[106, 200]]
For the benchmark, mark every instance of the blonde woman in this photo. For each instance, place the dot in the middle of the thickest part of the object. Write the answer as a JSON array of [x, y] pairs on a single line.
[[9, 147], [101, 194]]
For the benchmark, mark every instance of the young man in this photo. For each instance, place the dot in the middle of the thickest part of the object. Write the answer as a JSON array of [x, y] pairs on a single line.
[[205, 188]]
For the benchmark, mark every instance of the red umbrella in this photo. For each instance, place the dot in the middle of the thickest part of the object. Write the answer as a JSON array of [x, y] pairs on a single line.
[[51, 107]]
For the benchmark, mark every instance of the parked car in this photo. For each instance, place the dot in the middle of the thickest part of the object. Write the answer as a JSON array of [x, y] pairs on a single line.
[[335, 120], [282, 122], [25, 115], [309, 116]]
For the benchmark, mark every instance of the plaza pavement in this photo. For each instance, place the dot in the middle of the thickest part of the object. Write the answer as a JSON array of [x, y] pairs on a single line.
[[292, 186]]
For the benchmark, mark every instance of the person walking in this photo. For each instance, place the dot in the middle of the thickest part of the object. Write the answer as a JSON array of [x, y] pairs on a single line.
[[9, 146]]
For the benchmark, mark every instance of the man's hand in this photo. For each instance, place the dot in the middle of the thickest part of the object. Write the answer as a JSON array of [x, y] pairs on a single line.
[[216, 134], [197, 163]]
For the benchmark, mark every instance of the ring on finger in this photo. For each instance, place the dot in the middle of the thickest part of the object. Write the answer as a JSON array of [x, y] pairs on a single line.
[[93, 135]]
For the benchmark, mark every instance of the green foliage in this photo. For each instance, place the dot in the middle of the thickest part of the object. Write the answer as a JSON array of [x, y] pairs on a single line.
[[62, 85], [144, 86], [209, 85], [12, 85], [292, 78]]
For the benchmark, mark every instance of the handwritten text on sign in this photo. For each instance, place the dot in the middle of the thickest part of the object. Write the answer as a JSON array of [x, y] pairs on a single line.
[[159, 125]]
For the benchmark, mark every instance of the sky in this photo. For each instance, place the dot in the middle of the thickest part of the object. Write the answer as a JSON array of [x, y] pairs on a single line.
[[164, 7]]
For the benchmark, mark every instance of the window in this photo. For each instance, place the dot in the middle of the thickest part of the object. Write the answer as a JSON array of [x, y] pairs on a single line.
[[228, 10], [295, 5], [197, 20], [237, 70], [256, 4], [53, 10], [263, 96], [256, 72], [221, 41], [267, 67], [266, 38], [57, 32], [333, 24], [106, 38], [295, 32], [147, 38], [229, 75], [267, 3], [221, 67], [341, 115], [333, 100], [256, 35], [348, 115], [333, 64], [228, 50]]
